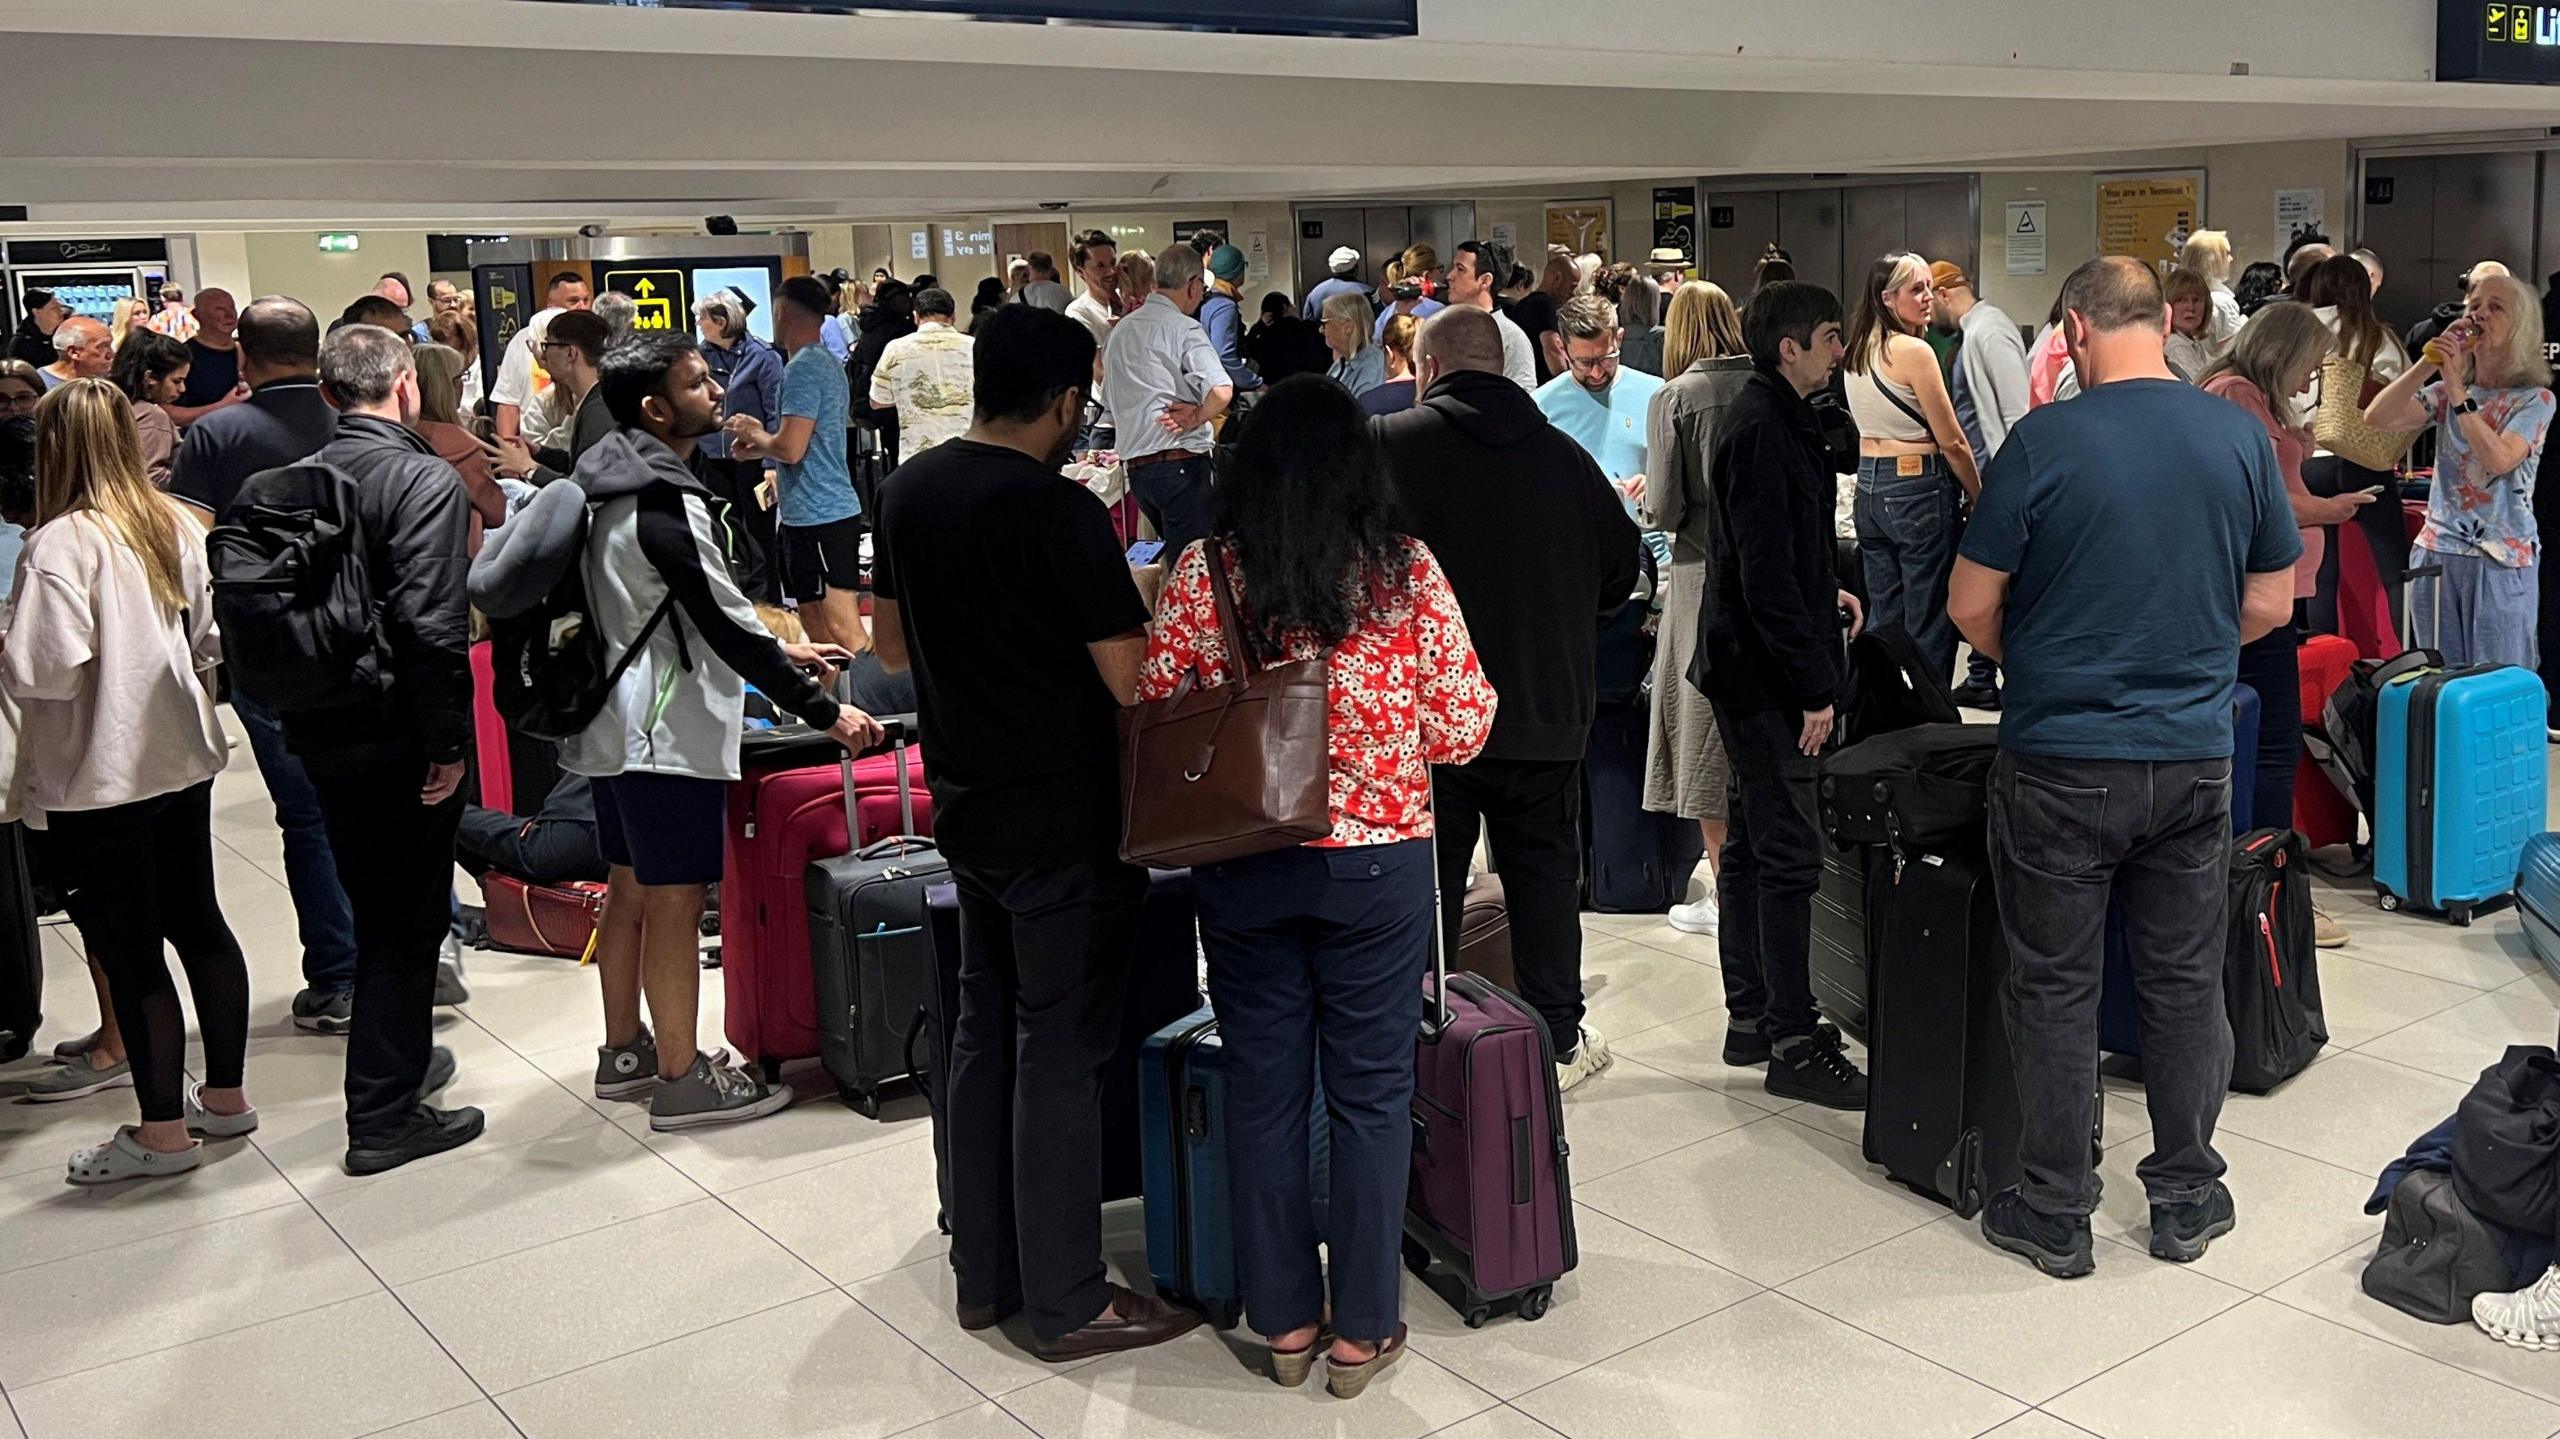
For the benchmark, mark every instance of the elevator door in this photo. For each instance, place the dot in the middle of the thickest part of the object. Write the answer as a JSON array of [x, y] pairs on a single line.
[[2445, 214], [1321, 231], [1380, 233], [1835, 235]]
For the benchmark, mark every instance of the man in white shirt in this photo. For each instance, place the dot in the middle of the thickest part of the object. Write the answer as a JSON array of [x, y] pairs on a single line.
[[1097, 262], [1475, 273], [1166, 387], [520, 378], [928, 377]]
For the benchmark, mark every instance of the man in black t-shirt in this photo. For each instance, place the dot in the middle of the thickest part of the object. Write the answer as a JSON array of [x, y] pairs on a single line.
[[213, 355], [998, 580]]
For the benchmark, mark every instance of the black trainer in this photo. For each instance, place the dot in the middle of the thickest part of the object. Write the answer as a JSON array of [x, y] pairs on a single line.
[[429, 1131], [2180, 1232], [1816, 1069], [1976, 697], [1745, 1046], [441, 1069], [2059, 1246]]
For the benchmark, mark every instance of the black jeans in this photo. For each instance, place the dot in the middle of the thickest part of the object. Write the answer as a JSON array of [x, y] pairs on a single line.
[[1534, 810], [150, 864], [1772, 865], [2383, 529], [395, 859], [1044, 976], [545, 851], [2064, 834], [1316, 958], [1178, 498], [2272, 665]]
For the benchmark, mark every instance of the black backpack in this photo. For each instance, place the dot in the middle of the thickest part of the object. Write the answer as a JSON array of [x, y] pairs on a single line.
[[551, 670], [2271, 971], [293, 591]]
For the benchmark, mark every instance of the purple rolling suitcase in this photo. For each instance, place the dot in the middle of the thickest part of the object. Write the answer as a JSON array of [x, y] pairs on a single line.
[[1490, 1196]]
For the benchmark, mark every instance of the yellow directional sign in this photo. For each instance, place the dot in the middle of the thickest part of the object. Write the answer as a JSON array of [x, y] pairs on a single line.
[[664, 305]]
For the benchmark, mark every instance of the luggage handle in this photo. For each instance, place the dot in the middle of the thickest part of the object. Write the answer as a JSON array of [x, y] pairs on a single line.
[[895, 731], [1432, 1028]]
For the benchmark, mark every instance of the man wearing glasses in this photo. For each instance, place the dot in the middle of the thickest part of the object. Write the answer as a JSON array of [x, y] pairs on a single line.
[[1603, 406], [571, 351]]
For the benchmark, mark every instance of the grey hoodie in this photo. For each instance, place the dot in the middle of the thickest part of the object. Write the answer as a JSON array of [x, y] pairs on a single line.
[[678, 709]]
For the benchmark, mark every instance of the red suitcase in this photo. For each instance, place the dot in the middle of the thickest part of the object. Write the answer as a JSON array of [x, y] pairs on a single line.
[[2364, 611], [2321, 813], [1490, 1195], [784, 813], [553, 919], [489, 733]]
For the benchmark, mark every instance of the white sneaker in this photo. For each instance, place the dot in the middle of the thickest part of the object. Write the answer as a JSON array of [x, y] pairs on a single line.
[[1700, 918], [2528, 1318], [1590, 1056]]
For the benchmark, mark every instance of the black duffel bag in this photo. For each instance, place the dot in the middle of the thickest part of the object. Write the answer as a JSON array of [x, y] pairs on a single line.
[[1915, 790], [2506, 1141]]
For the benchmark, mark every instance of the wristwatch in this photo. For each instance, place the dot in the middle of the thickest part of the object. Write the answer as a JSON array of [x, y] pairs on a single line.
[[2469, 406]]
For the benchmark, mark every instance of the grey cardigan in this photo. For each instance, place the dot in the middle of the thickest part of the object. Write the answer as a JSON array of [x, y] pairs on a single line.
[[1680, 437]]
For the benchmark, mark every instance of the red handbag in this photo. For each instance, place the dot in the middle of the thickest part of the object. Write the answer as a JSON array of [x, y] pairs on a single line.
[[553, 919]]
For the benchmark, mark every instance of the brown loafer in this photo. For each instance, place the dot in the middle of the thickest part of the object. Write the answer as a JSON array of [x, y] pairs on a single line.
[[974, 1317], [1347, 1380], [1135, 1322]]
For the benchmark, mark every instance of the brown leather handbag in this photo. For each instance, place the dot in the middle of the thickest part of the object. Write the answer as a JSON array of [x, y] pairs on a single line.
[[1240, 769]]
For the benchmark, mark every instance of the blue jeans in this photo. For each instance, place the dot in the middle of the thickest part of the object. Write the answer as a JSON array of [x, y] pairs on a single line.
[[1908, 526], [1316, 959], [320, 908], [2486, 612]]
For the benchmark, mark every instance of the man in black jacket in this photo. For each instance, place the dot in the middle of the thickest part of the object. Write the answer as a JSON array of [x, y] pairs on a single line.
[[1537, 547], [389, 771], [1768, 647]]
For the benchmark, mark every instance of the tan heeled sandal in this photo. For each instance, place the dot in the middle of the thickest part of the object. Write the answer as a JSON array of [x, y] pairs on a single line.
[[1347, 1380]]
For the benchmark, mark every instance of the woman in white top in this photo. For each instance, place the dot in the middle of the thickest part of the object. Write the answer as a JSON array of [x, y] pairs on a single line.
[[2190, 320], [2208, 253], [1915, 471], [107, 654], [2340, 292]]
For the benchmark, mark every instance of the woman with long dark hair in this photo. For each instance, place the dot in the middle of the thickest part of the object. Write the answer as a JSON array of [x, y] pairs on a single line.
[[2260, 285], [1316, 953], [1915, 470], [2340, 292], [152, 369]]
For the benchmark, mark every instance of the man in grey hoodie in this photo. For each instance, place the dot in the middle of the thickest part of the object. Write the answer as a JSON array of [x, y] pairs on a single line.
[[664, 748]]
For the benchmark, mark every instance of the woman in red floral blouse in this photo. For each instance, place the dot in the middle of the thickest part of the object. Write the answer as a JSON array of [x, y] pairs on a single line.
[[1316, 953]]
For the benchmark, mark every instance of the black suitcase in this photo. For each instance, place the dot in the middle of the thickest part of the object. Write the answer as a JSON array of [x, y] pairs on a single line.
[[1839, 970], [1164, 986], [1919, 789], [1634, 861], [2271, 971], [21, 951], [1942, 1100], [867, 947]]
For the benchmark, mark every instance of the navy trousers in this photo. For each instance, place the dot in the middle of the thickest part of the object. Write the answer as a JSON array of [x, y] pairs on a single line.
[[1316, 958]]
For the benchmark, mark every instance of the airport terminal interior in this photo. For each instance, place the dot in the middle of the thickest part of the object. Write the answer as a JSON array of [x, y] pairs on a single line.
[[1744, 1268]]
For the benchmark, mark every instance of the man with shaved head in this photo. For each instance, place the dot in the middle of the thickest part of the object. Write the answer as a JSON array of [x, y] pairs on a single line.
[[83, 350], [213, 371], [1539, 548], [2114, 770]]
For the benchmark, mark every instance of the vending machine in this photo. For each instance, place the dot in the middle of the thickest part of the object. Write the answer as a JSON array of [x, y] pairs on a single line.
[[87, 276]]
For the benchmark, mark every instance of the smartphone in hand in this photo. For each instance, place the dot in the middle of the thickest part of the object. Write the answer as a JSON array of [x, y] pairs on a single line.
[[1144, 552]]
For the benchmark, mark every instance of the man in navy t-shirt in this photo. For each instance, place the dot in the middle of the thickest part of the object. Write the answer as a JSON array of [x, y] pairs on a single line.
[[2124, 548]]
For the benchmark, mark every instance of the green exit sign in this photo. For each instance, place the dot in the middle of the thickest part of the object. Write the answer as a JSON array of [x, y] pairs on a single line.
[[339, 242]]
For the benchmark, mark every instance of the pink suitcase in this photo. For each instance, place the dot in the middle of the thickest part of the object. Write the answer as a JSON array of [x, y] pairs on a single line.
[[783, 814], [1490, 1196]]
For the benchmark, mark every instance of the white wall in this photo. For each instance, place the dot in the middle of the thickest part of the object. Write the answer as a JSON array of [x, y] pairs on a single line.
[[222, 263], [290, 262]]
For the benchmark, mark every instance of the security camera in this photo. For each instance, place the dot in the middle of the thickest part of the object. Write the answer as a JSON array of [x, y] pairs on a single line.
[[719, 225], [1053, 204]]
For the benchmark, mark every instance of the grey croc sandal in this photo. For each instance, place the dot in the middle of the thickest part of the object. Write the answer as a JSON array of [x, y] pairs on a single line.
[[123, 1157], [77, 1080], [204, 1122]]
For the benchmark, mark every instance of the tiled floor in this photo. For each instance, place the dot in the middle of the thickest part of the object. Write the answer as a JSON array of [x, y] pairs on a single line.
[[1743, 1272]]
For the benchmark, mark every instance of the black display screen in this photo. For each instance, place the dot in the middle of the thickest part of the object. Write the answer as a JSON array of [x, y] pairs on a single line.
[[1263, 17], [2479, 40]]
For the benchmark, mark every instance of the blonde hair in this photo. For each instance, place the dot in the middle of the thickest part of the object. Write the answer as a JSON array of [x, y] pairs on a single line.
[[1398, 340], [2278, 343], [1353, 308], [2186, 284], [439, 383], [1419, 258], [2208, 253], [1137, 275], [129, 312], [2524, 366], [1702, 325], [89, 457]]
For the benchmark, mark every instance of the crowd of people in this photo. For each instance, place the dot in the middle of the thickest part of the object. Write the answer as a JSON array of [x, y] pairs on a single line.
[[1442, 503]]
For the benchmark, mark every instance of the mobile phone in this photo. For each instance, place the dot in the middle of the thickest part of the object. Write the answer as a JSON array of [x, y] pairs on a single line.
[[2377, 489], [1144, 552]]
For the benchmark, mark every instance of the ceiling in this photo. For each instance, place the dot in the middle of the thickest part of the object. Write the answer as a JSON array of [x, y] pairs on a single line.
[[469, 113]]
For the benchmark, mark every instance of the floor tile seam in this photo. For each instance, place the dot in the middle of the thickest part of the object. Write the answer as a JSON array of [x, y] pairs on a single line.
[[918, 1345], [804, 1260], [1660, 948], [619, 1224], [2423, 974], [499, 1396], [2359, 1046], [1423, 1347], [456, 1409], [523, 1249], [26, 1384], [290, 1200], [2394, 1343], [890, 1147]]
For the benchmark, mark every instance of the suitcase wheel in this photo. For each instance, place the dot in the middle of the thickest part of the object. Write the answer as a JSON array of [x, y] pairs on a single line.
[[772, 1069], [1477, 1316], [1533, 1305], [861, 1101], [2390, 902], [2460, 914]]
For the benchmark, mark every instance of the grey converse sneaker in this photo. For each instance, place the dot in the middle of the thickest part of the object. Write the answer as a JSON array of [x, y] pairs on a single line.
[[713, 1094], [629, 1072]]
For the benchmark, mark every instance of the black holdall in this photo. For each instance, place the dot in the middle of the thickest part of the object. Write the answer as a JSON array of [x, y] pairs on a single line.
[[2506, 1141], [1915, 790], [2435, 1253]]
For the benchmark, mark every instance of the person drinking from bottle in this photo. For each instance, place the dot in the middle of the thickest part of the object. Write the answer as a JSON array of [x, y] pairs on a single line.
[[2484, 385]]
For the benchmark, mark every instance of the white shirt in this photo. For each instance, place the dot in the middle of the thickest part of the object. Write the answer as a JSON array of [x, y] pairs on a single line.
[[932, 379], [1518, 366], [1158, 356], [1094, 315], [522, 383]]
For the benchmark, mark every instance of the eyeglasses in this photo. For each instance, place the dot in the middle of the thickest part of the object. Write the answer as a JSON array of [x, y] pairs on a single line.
[[19, 404], [1584, 367]]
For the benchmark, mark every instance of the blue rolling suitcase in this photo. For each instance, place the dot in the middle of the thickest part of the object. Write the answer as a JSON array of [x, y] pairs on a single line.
[[2119, 1023], [2461, 771], [1182, 1112], [2538, 897], [1634, 861]]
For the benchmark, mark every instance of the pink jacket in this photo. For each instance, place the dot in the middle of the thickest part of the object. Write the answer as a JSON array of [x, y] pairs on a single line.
[[2291, 446]]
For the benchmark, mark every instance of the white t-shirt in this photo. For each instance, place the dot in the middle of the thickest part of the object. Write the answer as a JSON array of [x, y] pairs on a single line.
[[1093, 314], [517, 373]]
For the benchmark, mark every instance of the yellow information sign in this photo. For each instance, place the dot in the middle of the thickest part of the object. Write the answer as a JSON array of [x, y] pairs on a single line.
[[661, 296], [2149, 216]]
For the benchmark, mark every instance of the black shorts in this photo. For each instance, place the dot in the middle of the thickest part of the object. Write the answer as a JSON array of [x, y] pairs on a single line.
[[819, 558], [667, 828]]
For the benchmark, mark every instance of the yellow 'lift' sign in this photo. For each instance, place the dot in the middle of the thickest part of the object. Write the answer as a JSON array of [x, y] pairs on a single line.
[[660, 293]]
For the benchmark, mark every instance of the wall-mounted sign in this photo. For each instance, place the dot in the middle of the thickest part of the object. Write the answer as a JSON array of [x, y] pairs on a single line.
[[2478, 40], [339, 242], [659, 294], [1675, 219], [919, 245], [1581, 226], [2378, 189], [1311, 229], [2027, 237], [2149, 216], [1720, 217], [2300, 212], [82, 252], [1362, 18]]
